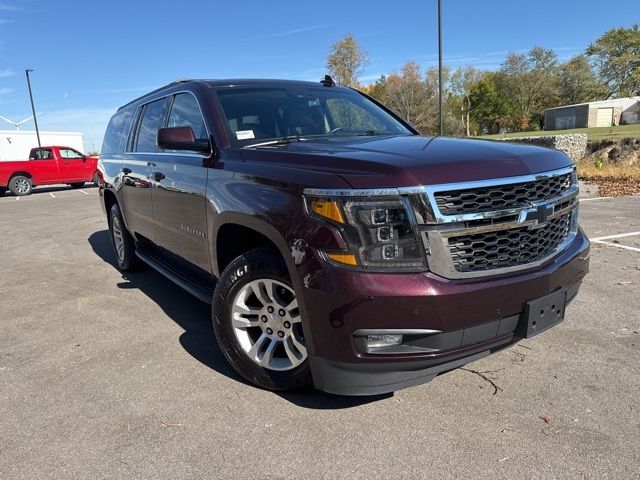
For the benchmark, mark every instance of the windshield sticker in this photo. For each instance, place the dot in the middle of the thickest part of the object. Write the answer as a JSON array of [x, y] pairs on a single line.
[[245, 134]]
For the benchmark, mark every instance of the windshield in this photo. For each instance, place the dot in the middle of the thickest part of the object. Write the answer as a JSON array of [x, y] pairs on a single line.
[[259, 114]]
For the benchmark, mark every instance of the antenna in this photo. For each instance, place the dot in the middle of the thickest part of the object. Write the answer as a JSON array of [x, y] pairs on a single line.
[[17, 124]]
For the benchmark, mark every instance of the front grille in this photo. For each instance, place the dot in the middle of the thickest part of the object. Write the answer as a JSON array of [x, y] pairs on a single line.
[[508, 248], [499, 197]]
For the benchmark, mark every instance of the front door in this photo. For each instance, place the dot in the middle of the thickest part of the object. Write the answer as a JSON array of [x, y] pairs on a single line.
[[179, 189], [73, 166]]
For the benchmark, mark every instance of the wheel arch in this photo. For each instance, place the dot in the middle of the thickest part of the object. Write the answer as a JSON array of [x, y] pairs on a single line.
[[21, 173], [237, 233]]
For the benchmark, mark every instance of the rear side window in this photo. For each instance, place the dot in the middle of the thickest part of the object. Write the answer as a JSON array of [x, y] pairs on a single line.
[[41, 154], [117, 132], [152, 120]]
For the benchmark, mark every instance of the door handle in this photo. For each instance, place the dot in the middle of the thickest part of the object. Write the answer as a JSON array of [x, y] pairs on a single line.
[[126, 171], [157, 176]]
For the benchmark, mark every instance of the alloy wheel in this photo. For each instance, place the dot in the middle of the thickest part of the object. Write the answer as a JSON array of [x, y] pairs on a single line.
[[267, 324]]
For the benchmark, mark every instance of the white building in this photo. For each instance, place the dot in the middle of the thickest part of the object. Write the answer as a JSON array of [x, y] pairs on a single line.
[[606, 113], [16, 145]]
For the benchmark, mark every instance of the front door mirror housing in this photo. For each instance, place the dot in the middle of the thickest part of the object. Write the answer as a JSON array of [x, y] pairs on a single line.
[[182, 138]]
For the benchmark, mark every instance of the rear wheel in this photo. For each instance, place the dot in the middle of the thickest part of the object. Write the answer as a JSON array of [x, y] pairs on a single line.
[[20, 185], [123, 245], [77, 185], [257, 322]]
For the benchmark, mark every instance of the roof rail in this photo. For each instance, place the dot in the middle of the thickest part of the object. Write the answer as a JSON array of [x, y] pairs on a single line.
[[157, 90]]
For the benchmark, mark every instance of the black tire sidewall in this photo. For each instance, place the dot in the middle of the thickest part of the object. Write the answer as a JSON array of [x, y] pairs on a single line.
[[260, 263], [129, 262], [13, 189]]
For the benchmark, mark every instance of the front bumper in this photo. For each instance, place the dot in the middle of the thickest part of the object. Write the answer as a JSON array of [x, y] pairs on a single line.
[[478, 316]]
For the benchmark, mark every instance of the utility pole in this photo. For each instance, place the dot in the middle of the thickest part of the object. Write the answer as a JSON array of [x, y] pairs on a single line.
[[33, 108], [440, 66]]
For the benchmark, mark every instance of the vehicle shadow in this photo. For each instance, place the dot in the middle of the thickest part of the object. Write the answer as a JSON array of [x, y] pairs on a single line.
[[194, 317]]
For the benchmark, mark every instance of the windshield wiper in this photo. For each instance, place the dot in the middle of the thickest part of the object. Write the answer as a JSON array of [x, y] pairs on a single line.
[[370, 133], [278, 141]]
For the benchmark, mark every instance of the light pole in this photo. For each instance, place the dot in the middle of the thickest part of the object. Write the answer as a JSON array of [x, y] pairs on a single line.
[[33, 108], [440, 66]]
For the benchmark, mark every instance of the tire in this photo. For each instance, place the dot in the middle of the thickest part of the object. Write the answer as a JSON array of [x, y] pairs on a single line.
[[2, 191], [77, 185], [124, 247], [96, 179], [20, 185], [244, 337]]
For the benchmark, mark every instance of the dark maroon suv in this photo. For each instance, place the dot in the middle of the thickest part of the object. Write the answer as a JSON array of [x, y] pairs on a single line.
[[337, 246]]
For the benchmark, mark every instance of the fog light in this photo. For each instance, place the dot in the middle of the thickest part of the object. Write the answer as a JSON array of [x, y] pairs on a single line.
[[378, 341]]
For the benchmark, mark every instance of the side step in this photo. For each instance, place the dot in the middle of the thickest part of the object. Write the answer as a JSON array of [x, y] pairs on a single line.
[[186, 275]]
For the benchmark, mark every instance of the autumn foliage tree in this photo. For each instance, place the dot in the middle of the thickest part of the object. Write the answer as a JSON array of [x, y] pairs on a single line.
[[346, 61]]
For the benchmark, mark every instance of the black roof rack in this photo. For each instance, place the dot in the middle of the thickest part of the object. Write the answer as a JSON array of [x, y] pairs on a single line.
[[157, 90]]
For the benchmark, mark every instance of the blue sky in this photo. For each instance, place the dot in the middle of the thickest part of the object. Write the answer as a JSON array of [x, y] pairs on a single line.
[[91, 57]]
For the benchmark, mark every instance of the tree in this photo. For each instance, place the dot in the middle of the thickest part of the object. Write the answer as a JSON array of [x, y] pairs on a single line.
[[346, 61], [578, 83], [616, 57], [410, 95], [492, 111], [531, 82], [462, 79]]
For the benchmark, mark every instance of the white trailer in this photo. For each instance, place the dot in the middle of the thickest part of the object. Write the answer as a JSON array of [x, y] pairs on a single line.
[[16, 145]]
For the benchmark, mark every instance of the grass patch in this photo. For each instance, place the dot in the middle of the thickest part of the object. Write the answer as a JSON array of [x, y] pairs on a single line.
[[613, 180], [596, 133]]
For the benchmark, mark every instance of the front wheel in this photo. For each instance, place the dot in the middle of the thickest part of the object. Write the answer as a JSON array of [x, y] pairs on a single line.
[[257, 322], [20, 185], [122, 241]]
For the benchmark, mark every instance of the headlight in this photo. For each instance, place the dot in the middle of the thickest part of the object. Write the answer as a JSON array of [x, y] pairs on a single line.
[[379, 232]]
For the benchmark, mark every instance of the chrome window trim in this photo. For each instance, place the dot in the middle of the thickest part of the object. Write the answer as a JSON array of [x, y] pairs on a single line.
[[132, 142]]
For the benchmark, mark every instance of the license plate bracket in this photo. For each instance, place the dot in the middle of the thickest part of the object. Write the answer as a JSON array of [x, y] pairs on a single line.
[[543, 313]]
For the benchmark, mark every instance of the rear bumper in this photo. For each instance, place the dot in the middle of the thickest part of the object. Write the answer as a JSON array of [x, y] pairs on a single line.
[[476, 317]]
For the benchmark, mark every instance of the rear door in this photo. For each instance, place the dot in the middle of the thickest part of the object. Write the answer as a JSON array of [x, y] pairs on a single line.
[[136, 168], [43, 167], [73, 165], [179, 182]]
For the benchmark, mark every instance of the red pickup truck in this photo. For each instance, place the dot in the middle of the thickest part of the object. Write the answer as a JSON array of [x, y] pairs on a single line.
[[48, 166]]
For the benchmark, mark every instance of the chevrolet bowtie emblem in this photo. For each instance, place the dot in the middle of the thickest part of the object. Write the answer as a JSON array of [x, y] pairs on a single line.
[[539, 213]]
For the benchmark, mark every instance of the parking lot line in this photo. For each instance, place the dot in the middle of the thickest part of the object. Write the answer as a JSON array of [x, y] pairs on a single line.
[[84, 192], [594, 198], [620, 235], [609, 244], [52, 195]]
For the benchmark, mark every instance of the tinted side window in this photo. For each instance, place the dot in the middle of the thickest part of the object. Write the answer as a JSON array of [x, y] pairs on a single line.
[[185, 112], [152, 120], [41, 154], [117, 132]]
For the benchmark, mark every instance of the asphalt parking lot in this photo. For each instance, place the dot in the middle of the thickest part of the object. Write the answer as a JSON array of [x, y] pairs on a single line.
[[111, 376]]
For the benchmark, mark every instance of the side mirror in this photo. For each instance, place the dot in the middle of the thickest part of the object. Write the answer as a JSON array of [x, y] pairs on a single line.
[[181, 138]]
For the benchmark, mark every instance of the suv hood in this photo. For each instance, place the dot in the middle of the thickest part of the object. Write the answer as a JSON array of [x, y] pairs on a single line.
[[399, 161]]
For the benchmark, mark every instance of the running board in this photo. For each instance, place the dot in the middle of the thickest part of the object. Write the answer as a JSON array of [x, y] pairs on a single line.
[[191, 278]]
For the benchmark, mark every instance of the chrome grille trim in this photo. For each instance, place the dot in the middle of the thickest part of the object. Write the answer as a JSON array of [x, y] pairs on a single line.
[[439, 230]]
